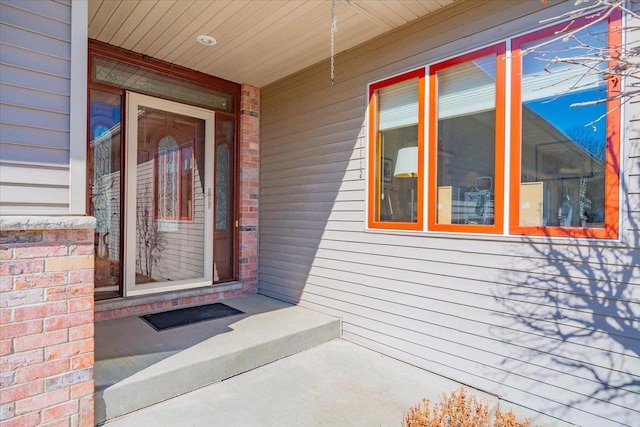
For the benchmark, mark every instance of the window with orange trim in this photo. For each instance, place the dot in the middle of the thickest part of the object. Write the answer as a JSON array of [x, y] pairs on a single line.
[[466, 142], [396, 133], [564, 156], [564, 148]]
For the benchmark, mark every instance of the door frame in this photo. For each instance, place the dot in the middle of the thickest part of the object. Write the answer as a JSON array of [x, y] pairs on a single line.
[[133, 100]]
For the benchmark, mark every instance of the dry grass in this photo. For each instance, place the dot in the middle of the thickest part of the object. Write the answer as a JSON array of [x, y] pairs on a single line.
[[459, 410]]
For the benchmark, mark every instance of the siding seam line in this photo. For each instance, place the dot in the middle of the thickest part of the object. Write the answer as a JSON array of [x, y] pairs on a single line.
[[44, 73], [44, 110], [8, 24], [32, 127], [35, 52], [34, 89]]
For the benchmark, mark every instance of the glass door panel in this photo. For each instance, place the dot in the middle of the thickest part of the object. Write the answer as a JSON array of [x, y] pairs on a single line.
[[169, 195], [224, 227]]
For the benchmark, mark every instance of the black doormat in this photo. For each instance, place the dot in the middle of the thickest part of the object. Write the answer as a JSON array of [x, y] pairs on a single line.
[[189, 315]]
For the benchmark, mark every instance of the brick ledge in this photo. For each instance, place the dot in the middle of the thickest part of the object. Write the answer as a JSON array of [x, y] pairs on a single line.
[[126, 302], [29, 223]]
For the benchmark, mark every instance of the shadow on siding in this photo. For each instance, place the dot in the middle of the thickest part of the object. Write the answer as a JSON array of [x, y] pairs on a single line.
[[574, 320]]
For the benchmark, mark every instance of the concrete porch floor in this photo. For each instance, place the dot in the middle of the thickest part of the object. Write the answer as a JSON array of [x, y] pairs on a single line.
[[137, 366], [334, 384], [276, 365]]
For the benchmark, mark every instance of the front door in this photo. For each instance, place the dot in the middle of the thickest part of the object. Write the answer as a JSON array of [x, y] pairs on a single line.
[[169, 197]]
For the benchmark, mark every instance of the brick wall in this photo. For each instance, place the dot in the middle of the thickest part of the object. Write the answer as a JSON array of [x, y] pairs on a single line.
[[46, 325], [249, 186]]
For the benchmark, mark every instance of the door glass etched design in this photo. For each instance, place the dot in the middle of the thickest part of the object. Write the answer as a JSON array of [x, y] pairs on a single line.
[[167, 186], [222, 187], [223, 252]]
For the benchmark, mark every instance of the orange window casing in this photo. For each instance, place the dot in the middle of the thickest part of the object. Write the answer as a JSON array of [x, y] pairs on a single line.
[[498, 51], [375, 158], [611, 192]]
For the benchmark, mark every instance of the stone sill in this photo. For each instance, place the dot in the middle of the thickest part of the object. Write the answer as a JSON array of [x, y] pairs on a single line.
[[33, 223]]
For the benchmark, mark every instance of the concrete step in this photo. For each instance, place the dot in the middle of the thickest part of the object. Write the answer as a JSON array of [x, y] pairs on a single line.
[[137, 366]]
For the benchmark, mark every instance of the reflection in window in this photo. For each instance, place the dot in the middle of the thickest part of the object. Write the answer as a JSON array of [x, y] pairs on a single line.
[[104, 180], [397, 138], [174, 180], [466, 141], [563, 147]]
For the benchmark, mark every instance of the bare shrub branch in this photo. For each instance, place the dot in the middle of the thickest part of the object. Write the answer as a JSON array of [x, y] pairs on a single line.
[[615, 64]]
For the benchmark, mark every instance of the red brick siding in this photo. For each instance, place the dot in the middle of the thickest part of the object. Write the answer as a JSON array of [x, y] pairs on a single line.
[[46, 328], [249, 187]]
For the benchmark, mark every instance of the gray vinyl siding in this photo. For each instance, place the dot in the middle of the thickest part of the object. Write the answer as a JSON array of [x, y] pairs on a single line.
[[549, 324], [35, 68]]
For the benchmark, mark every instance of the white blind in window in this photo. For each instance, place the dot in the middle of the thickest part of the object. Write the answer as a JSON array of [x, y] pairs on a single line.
[[398, 105], [467, 88]]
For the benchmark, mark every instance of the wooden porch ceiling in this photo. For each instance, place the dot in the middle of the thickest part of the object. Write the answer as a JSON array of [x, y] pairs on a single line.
[[259, 41]]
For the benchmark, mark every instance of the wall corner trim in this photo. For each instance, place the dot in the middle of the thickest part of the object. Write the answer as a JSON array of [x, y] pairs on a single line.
[[78, 108]]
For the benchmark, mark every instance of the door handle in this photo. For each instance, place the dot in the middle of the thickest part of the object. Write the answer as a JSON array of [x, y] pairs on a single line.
[[209, 197]]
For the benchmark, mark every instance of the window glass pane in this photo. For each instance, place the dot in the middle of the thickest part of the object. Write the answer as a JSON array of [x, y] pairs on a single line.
[[563, 146], [105, 188], [466, 137], [397, 166]]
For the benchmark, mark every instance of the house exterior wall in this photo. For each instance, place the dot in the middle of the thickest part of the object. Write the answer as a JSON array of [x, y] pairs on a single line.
[[46, 322], [546, 323], [35, 104]]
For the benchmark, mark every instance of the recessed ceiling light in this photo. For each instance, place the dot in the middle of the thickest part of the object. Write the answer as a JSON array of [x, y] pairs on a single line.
[[206, 40]]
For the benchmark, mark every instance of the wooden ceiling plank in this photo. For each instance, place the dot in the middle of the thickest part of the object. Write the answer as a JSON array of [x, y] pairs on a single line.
[[267, 36], [186, 39], [93, 8], [116, 20], [374, 18], [251, 24], [179, 27], [133, 21], [418, 8], [309, 54], [102, 15], [301, 62], [258, 41], [387, 12], [219, 27], [159, 30], [405, 11], [311, 30], [150, 20]]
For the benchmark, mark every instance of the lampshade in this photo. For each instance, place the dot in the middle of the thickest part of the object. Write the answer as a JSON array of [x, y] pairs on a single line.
[[407, 163]]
